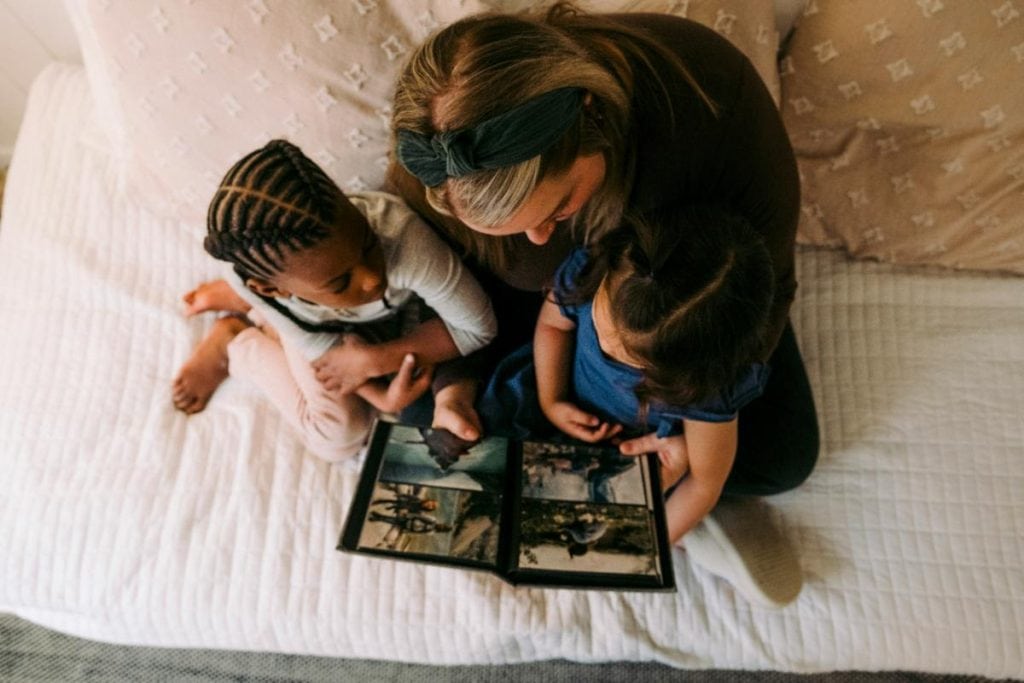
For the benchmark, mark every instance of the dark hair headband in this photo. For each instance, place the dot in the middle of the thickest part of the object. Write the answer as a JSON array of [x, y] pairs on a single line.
[[519, 134]]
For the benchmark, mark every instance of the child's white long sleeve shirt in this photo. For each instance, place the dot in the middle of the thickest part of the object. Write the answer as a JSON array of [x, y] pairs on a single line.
[[417, 262]]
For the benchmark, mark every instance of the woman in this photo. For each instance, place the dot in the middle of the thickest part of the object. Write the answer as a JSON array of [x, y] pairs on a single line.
[[522, 137]]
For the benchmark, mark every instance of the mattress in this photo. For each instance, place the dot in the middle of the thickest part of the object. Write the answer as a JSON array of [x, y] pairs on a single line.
[[123, 520]]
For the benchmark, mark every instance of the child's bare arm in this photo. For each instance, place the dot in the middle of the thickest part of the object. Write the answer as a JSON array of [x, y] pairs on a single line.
[[553, 344], [711, 450], [353, 361]]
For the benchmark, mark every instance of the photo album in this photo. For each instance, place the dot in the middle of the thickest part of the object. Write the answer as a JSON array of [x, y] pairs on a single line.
[[564, 514]]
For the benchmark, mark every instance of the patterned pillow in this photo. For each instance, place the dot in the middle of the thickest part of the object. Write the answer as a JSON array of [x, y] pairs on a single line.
[[184, 89], [908, 124]]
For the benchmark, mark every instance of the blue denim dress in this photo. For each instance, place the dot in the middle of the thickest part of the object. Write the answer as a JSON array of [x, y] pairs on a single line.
[[601, 385]]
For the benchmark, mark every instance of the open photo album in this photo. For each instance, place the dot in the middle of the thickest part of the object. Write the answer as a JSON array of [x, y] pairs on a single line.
[[563, 514]]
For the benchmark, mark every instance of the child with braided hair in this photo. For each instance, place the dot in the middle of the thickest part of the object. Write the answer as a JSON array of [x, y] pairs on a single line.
[[325, 300]]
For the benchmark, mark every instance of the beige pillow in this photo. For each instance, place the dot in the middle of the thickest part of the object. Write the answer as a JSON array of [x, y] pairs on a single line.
[[748, 24], [184, 89], [908, 123]]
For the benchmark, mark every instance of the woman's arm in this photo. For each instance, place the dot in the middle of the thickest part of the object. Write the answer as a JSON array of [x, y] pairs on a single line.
[[553, 344], [711, 448]]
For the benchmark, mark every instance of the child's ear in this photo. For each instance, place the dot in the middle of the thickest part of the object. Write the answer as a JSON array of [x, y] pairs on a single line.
[[265, 288]]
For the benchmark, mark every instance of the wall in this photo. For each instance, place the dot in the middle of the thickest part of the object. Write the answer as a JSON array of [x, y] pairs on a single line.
[[33, 33]]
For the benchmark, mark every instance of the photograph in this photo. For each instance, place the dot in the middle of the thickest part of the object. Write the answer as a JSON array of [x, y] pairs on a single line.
[[435, 521], [585, 537], [574, 472], [435, 457]]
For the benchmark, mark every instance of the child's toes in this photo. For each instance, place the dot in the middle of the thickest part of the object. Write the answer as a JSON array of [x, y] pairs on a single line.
[[195, 406], [185, 397], [183, 401], [190, 303]]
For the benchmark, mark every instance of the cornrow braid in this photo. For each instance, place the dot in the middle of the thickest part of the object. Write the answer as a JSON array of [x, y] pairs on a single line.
[[273, 201]]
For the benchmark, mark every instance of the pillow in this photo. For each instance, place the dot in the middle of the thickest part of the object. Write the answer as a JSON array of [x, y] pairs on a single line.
[[748, 24], [908, 124], [185, 89], [786, 14]]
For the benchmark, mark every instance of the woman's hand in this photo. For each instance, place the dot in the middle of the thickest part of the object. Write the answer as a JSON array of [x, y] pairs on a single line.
[[347, 365], [672, 454], [580, 424], [406, 386]]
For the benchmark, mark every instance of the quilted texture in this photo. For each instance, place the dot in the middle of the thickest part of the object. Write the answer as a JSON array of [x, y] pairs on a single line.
[[122, 520], [907, 119]]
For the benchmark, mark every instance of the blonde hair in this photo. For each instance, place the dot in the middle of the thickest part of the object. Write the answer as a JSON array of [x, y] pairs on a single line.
[[487, 64]]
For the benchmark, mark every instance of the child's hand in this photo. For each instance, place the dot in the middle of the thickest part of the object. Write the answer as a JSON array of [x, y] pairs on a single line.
[[404, 388], [346, 366], [580, 424], [454, 411], [671, 450]]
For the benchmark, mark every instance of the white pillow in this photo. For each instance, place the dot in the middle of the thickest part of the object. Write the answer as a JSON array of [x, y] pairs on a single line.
[[184, 89]]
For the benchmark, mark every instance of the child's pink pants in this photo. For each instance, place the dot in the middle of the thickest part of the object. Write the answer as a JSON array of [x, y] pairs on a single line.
[[333, 427]]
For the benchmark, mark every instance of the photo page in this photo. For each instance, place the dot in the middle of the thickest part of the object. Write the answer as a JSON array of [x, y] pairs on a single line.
[[539, 513]]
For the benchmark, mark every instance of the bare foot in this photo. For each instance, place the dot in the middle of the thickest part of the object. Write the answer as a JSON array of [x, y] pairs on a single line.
[[453, 410], [216, 295], [201, 374]]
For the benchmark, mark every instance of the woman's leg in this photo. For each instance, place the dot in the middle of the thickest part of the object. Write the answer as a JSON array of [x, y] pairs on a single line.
[[778, 432], [333, 427]]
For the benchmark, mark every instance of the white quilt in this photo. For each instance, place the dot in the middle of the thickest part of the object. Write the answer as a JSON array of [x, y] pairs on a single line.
[[123, 520]]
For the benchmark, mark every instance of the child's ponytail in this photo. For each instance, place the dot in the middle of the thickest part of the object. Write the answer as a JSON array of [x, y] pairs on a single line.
[[691, 289]]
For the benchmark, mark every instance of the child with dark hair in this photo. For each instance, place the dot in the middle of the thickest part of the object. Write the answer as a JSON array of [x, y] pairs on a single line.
[[674, 316], [327, 296], [659, 330]]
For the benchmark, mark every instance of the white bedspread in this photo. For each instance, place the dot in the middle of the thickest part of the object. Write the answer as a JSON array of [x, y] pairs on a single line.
[[123, 520]]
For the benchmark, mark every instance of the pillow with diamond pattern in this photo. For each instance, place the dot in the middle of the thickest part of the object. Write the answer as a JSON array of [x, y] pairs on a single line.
[[908, 123]]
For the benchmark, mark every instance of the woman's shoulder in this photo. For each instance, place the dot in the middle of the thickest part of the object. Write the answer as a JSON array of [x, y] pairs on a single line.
[[698, 45], [686, 150]]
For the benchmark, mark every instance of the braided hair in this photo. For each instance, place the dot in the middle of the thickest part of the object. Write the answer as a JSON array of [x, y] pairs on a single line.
[[272, 202], [690, 295]]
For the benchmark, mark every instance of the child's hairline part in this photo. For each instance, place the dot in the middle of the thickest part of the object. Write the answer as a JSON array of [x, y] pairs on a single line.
[[259, 194], [706, 291]]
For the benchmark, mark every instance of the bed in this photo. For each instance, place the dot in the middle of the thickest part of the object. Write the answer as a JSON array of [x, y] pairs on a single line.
[[125, 521]]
